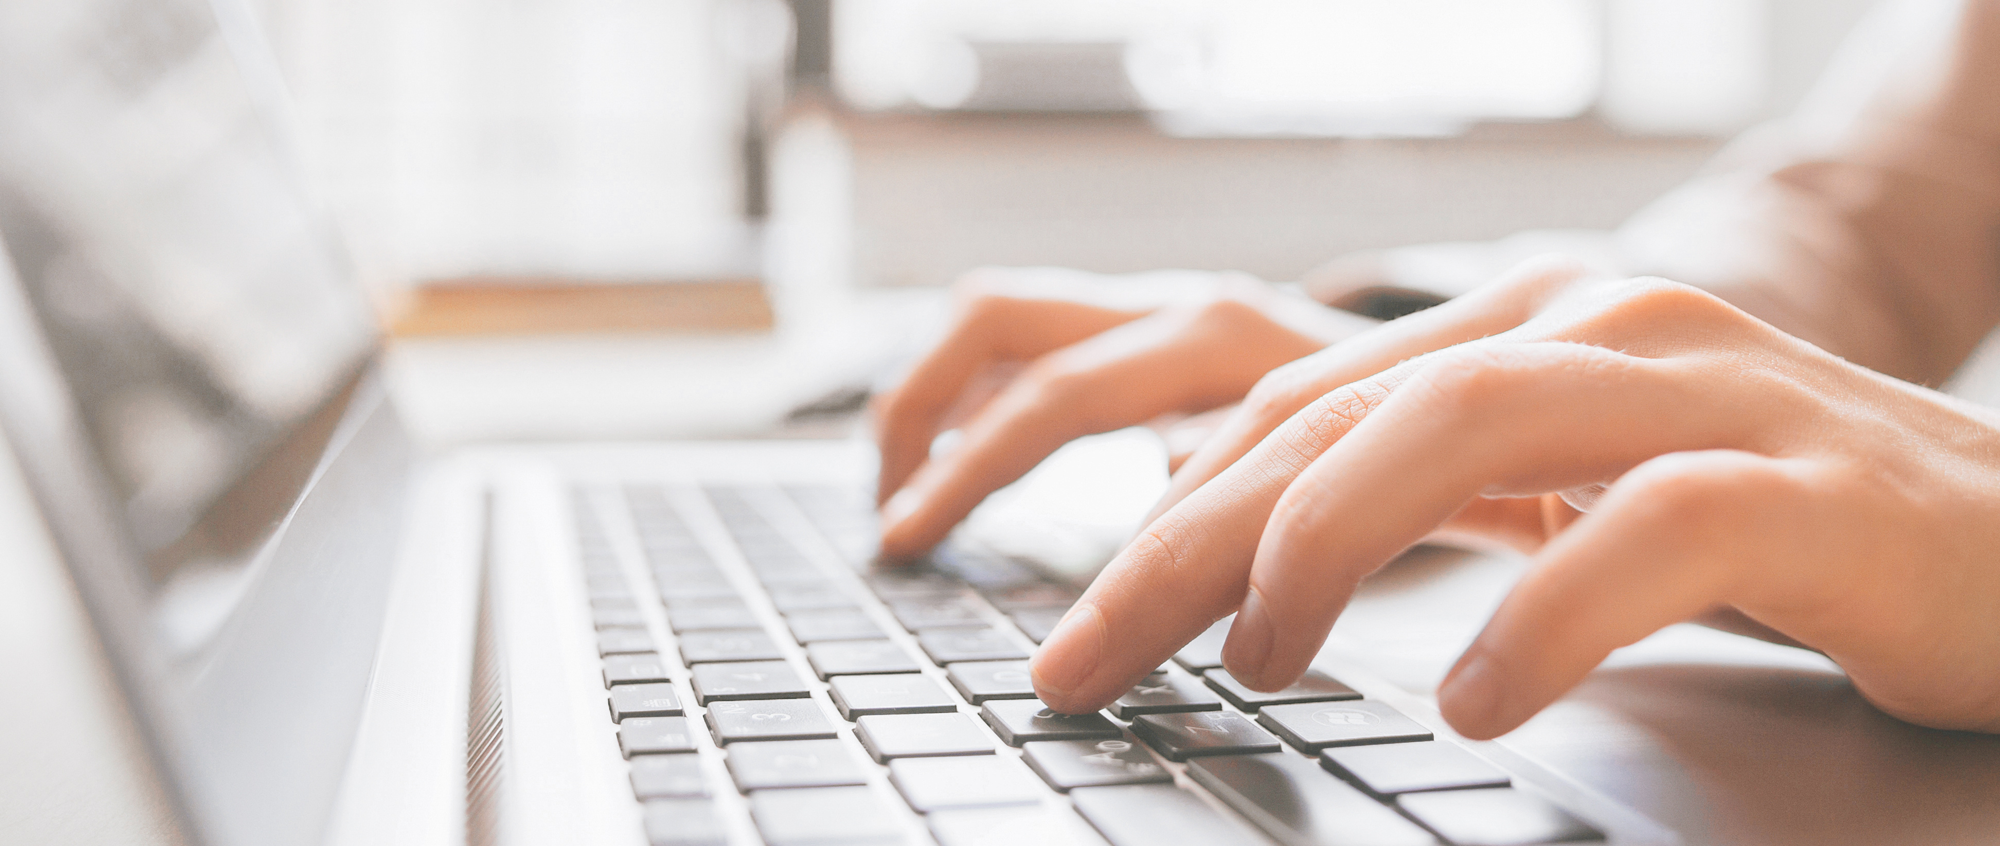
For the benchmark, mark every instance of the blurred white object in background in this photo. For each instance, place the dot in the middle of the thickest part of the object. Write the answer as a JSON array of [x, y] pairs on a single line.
[[1354, 64], [596, 139], [1685, 67]]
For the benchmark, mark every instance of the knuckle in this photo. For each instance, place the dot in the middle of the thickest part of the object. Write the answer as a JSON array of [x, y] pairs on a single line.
[[1652, 300], [1162, 546], [1703, 490], [1055, 381], [1325, 420], [1471, 378], [1546, 270], [1283, 390], [1229, 311], [982, 282], [982, 295]]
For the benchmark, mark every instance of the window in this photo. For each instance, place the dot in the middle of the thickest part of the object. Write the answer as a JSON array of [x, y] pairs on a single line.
[[1344, 67]]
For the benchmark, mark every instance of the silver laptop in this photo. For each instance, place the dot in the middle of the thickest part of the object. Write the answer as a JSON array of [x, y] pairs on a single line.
[[325, 637]]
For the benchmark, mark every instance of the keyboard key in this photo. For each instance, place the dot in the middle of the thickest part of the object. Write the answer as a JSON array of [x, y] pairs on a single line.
[[1296, 802], [921, 736], [1205, 651], [1067, 764], [606, 585], [668, 777], [900, 583], [1392, 768], [1312, 726], [688, 572], [1184, 736], [768, 719], [935, 784], [982, 570], [770, 553], [900, 693], [613, 603], [816, 816], [947, 646], [1012, 826], [704, 614], [1495, 817], [832, 624], [683, 822], [941, 612], [859, 657], [644, 700], [728, 645], [747, 680], [1315, 686], [634, 669], [654, 735], [1020, 721], [1154, 814], [1037, 623], [808, 596], [608, 618], [693, 583], [979, 681], [791, 571], [623, 641], [678, 550], [1165, 693], [792, 763], [1025, 595]]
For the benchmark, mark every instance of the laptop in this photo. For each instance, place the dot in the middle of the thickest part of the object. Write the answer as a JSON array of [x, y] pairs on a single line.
[[324, 635]]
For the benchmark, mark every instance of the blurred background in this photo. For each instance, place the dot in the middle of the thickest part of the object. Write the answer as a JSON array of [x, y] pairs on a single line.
[[686, 196]]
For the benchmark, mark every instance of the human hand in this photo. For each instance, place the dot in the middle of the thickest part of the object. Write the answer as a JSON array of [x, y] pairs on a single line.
[[1037, 357], [1663, 454]]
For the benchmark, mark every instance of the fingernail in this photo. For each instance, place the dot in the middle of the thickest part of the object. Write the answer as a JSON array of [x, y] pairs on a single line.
[[1070, 654], [1248, 649], [1471, 698]]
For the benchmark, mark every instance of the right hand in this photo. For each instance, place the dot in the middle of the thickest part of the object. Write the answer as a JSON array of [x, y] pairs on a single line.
[[1037, 357]]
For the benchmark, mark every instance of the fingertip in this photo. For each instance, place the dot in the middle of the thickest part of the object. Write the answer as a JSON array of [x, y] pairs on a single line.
[[1246, 653], [905, 532], [1063, 668], [1475, 700]]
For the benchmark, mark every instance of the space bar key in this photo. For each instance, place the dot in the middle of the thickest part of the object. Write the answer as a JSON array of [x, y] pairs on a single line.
[[1157, 814]]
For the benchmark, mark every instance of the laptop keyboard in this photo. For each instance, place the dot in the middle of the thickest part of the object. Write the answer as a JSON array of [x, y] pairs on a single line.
[[852, 705]]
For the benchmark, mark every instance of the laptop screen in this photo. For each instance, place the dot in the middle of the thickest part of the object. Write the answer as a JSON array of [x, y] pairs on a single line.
[[189, 293], [193, 305]]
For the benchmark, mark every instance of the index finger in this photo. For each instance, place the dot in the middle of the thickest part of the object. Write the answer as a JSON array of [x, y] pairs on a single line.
[[991, 327], [1191, 566]]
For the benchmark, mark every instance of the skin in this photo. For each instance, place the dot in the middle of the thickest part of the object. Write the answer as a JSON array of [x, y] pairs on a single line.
[[1034, 359], [1662, 455]]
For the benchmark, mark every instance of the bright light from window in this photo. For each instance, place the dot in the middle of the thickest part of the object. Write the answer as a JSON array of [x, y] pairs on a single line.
[[1350, 62]]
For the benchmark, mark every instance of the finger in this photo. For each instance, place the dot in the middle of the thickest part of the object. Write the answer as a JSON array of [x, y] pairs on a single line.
[[1495, 308], [1643, 560], [1186, 570], [1185, 435], [990, 327], [1174, 360], [1495, 419], [1519, 524]]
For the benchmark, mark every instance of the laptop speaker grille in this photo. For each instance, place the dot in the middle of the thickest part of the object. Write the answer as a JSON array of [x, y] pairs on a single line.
[[486, 747]]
